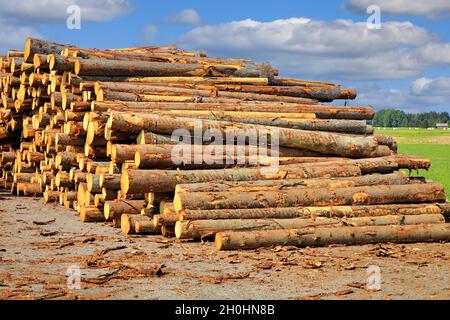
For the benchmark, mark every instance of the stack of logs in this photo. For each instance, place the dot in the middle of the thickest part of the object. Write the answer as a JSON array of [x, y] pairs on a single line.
[[94, 130]]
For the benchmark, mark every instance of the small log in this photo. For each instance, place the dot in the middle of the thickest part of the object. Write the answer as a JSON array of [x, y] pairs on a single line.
[[114, 209], [91, 214], [128, 223]]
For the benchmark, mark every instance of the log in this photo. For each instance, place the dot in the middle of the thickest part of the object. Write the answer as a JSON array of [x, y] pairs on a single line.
[[110, 181], [98, 67], [209, 228], [146, 227], [145, 181], [91, 214], [128, 223], [114, 209], [323, 142], [33, 46], [320, 111], [367, 195], [265, 185], [320, 237], [308, 212]]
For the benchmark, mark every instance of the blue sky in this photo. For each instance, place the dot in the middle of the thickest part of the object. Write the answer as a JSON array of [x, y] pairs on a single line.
[[405, 64]]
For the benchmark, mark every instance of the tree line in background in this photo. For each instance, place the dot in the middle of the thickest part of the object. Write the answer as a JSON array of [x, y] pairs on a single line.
[[392, 118]]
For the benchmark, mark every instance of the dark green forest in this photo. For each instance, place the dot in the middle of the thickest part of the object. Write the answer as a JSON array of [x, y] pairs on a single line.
[[391, 118]]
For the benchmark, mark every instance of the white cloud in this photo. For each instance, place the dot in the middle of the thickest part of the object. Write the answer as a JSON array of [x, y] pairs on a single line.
[[150, 32], [430, 8], [186, 17], [336, 50], [19, 18], [13, 36], [423, 94], [438, 87], [44, 11]]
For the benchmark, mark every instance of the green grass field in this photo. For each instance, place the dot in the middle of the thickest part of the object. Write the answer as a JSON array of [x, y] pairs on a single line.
[[434, 145]]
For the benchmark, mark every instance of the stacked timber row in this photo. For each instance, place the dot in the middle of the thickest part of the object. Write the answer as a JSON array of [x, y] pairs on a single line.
[[156, 140]]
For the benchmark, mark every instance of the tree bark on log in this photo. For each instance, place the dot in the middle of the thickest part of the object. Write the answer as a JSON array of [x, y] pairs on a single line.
[[367, 195], [128, 223], [33, 46], [101, 67], [145, 181], [321, 111], [114, 209], [267, 185], [323, 142], [201, 229], [326, 236], [308, 212], [91, 214]]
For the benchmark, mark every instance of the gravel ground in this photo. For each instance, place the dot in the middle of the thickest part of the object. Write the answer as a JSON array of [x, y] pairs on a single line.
[[43, 248]]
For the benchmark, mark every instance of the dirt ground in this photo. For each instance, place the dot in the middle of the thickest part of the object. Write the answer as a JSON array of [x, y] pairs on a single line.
[[43, 246]]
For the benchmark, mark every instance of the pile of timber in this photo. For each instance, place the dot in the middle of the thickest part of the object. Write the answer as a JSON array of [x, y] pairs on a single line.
[[93, 130]]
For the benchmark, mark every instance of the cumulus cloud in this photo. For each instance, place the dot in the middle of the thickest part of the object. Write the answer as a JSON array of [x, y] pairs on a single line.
[[185, 17], [150, 32], [39, 11], [336, 50], [18, 19], [430, 8], [423, 94], [13, 36]]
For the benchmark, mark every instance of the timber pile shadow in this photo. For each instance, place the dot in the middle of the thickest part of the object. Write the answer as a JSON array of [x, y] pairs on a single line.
[[92, 130]]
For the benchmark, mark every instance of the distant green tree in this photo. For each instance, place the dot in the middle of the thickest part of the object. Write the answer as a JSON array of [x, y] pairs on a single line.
[[392, 118]]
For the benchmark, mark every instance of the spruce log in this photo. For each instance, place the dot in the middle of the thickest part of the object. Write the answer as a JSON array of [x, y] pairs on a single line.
[[265, 185], [308, 212], [33, 46], [367, 195], [320, 237], [91, 214], [145, 181], [114, 209], [321, 111], [101, 67], [128, 222], [209, 228], [146, 227], [323, 142]]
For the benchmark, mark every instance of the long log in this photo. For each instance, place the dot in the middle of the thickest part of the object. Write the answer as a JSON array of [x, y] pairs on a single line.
[[266, 185], [128, 222], [367, 195], [98, 67], [326, 143], [209, 228], [145, 181], [326, 236], [307, 212], [321, 111]]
